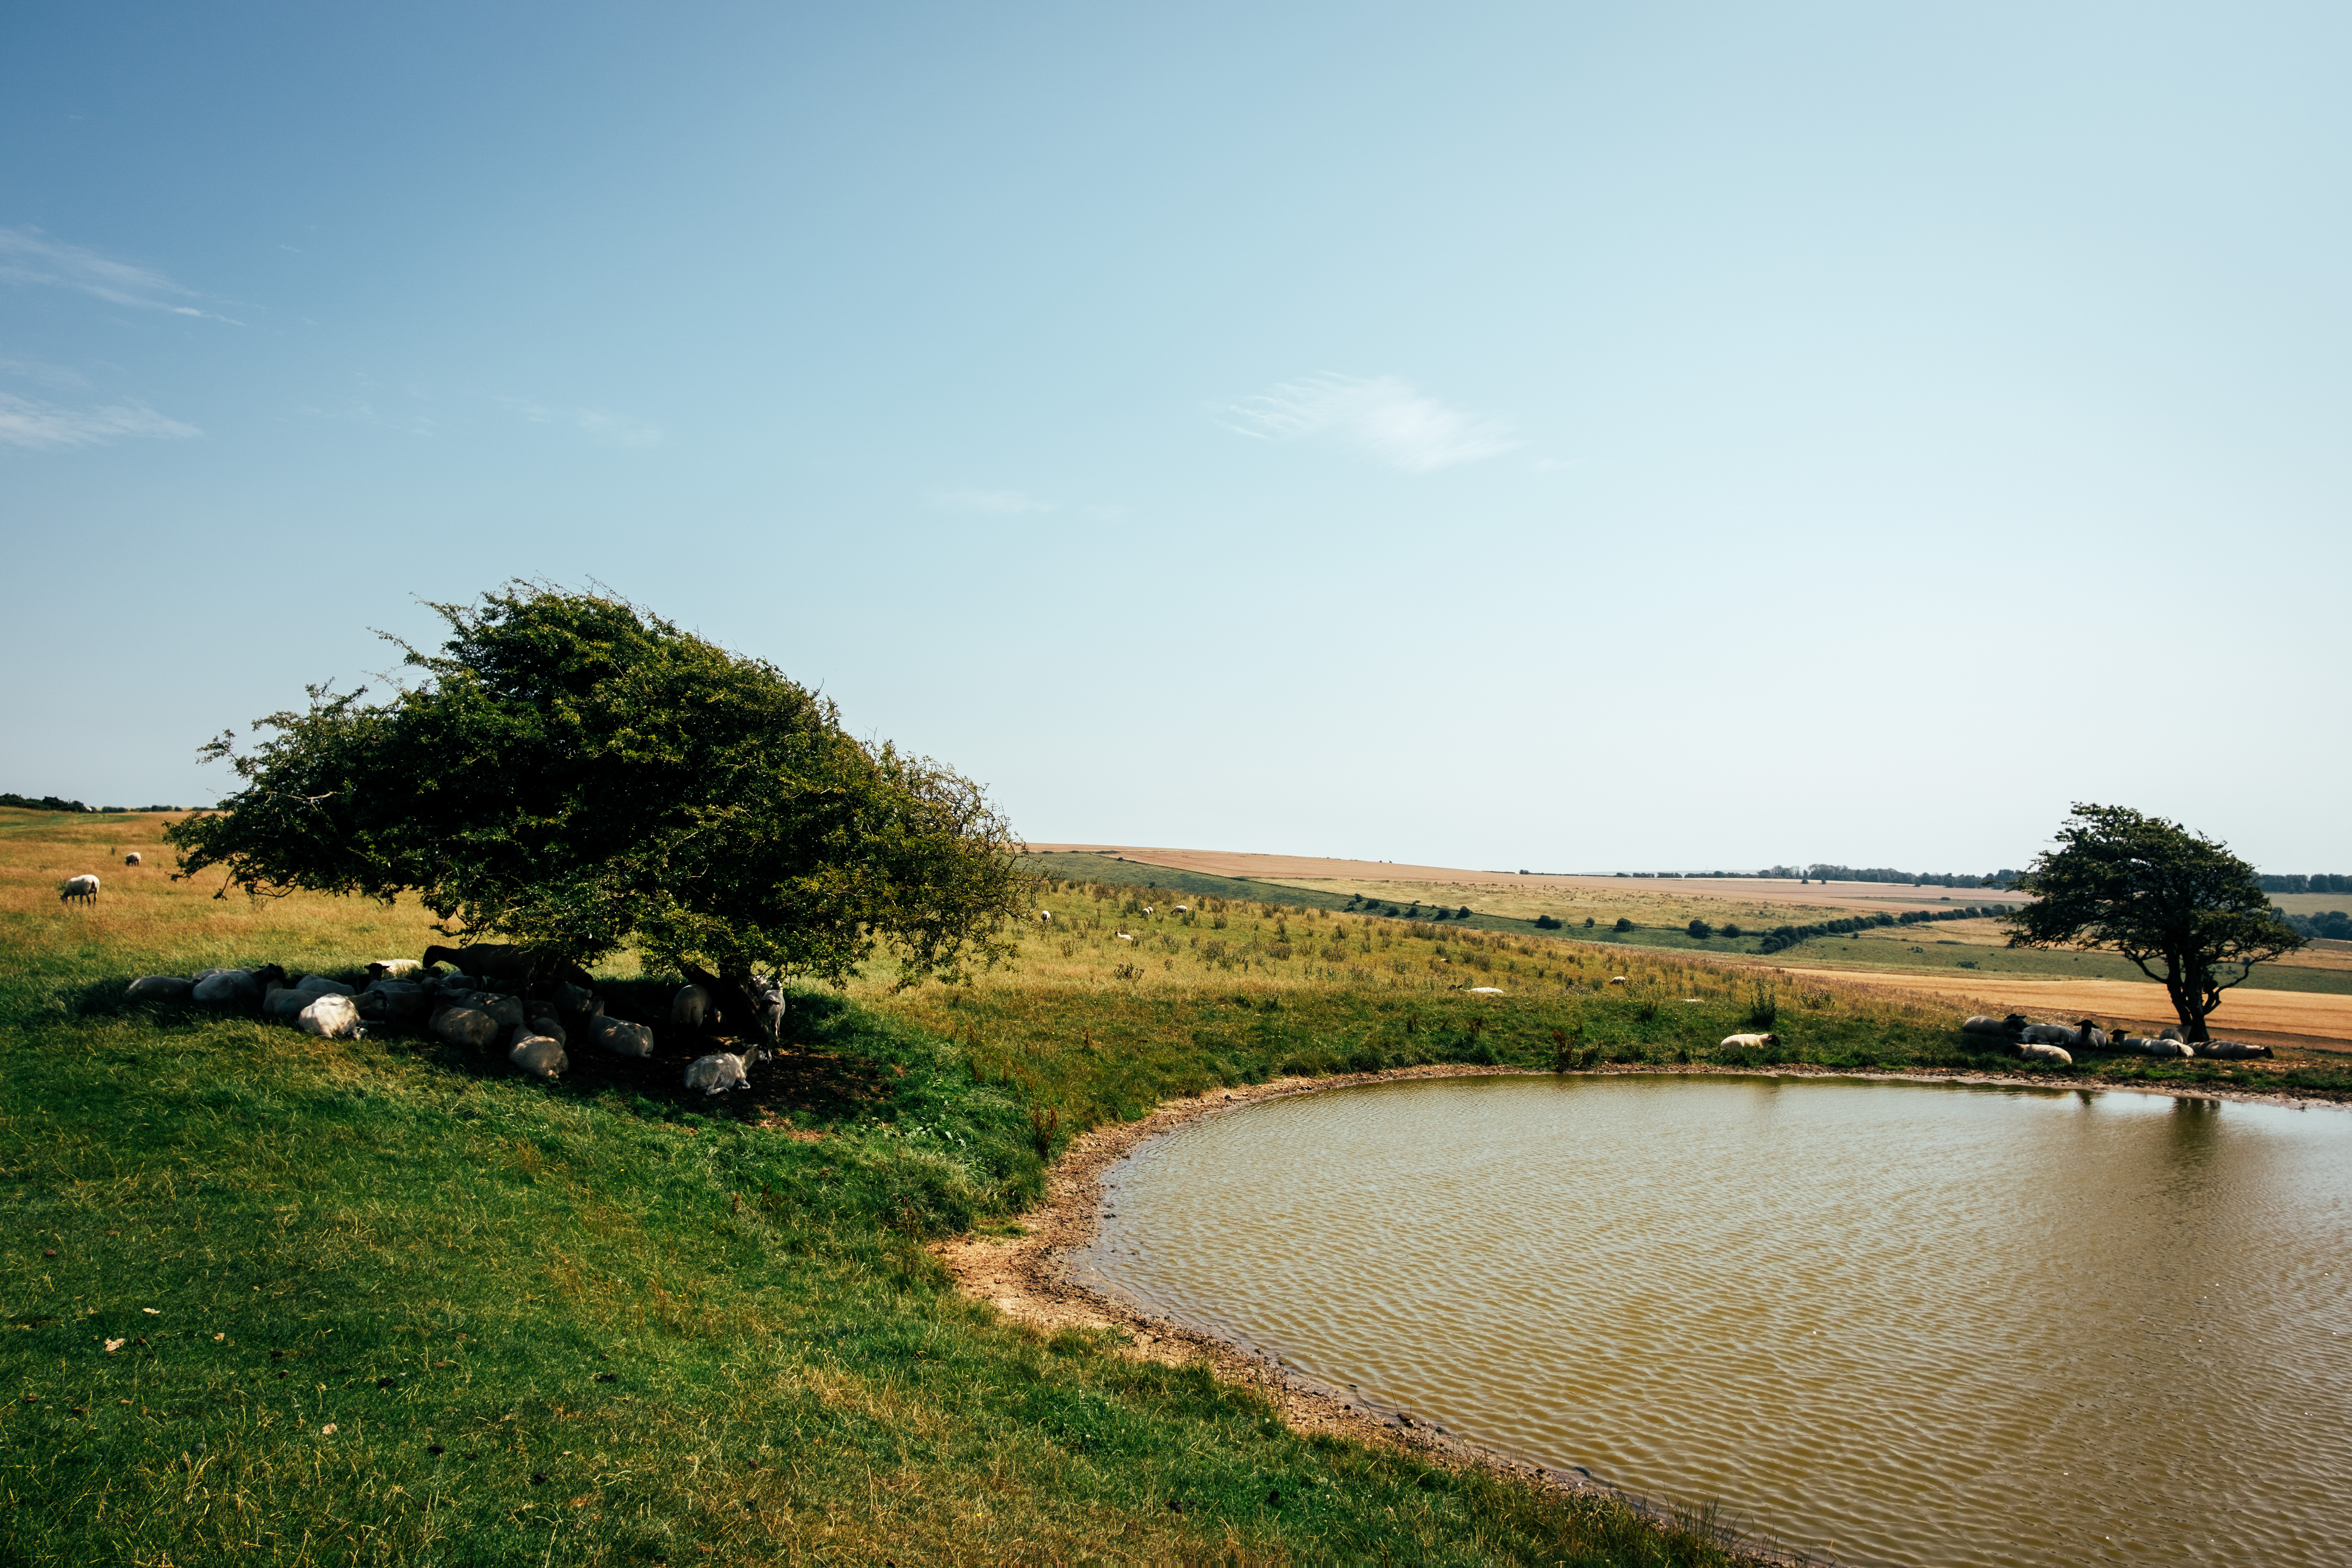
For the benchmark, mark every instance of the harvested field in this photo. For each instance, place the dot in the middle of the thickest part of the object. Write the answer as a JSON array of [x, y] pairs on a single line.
[[1313, 871], [2308, 1016]]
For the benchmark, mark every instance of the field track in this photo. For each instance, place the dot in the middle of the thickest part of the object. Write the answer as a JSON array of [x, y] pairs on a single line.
[[2311, 1016], [1870, 896]]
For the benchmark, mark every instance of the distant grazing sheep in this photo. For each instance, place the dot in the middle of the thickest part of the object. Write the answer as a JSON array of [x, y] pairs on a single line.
[[1045, 917], [79, 890], [131, 858], [1125, 937], [1179, 909], [1485, 991], [1750, 1042], [1619, 979]]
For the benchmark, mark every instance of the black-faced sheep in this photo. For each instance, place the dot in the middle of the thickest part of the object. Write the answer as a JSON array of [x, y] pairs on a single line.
[[79, 891], [131, 858]]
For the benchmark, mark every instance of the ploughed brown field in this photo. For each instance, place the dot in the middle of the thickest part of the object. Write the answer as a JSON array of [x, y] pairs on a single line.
[[1308, 870]]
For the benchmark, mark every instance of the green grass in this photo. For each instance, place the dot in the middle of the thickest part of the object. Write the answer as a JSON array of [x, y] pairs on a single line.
[[382, 1301]]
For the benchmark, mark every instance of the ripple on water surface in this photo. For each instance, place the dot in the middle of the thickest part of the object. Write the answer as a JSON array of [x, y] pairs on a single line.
[[1903, 1323]]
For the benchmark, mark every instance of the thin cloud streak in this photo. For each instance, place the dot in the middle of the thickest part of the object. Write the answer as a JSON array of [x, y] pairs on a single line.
[[1001, 504], [28, 256], [1385, 417], [612, 429], [23, 422]]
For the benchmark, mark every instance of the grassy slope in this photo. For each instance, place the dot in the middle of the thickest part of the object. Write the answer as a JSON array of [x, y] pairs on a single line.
[[1886, 949], [382, 1302]]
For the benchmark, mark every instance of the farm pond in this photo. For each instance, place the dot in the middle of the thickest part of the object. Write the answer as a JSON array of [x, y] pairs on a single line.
[[1885, 1323]]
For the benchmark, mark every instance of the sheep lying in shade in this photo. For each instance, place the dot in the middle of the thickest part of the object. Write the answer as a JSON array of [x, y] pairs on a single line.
[[691, 1007], [2153, 1047], [79, 891], [2051, 1056], [329, 1016], [2002, 1029], [1750, 1042], [538, 1056], [620, 1037], [716, 1073], [2047, 1034], [160, 988], [393, 968]]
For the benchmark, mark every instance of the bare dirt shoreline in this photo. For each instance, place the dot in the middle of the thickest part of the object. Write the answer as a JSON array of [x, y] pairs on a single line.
[[1027, 1277]]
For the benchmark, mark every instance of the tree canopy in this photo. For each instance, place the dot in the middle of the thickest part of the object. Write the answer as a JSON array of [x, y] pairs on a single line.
[[2175, 903], [578, 776]]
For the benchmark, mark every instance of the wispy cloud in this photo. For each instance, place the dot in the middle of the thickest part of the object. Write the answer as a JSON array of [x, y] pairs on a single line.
[[28, 256], [1003, 503], [612, 429], [24, 422], [1385, 417]]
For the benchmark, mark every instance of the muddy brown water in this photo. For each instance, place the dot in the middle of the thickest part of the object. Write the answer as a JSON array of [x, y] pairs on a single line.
[[1891, 1322]]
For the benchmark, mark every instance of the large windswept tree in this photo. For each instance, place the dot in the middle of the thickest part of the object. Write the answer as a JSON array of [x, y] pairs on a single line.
[[2179, 905], [573, 774]]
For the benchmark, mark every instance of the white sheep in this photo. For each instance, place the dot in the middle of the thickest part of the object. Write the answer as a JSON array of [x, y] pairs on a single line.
[[79, 890], [131, 858], [1123, 936], [1486, 990], [716, 1073], [1179, 909], [2054, 1056], [690, 1008], [1749, 1042], [2048, 1034], [393, 968], [1045, 917], [2232, 1051], [1620, 980]]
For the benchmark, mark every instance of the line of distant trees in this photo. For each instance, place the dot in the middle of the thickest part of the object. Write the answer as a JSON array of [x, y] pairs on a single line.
[[56, 803], [2319, 883], [1780, 937], [2005, 878]]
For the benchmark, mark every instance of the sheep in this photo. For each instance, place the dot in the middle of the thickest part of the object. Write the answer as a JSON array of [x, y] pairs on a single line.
[[538, 1056], [1981, 1024], [466, 1026], [131, 858], [319, 985], [395, 1001], [691, 1007], [160, 988], [237, 988], [2048, 1034], [1179, 909], [1486, 990], [393, 968], [716, 1073], [2053, 1056], [768, 1023], [1147, 908], [1619, 979], [549, 1029], [1045, 917], [1123, 936], [1749, 1042], [2232, 1051], [620, 1037], [329, 1016], [80, 891]]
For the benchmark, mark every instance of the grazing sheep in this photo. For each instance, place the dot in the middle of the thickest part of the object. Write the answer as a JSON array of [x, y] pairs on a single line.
[[2231, 1051], [691, 1007], [1179, 909], [716, 1073], [1045, 917], [79, 891], [131, 858], [621, 1038], [1125, 937], [1619, 979], [1486, 990], [1147, 908], [1750, 1042], [160, 988], [2053, 1056], [329, 1016]]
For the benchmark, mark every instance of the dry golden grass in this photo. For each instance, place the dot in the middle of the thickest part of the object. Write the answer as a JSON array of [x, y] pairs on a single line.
[[1637, 901]]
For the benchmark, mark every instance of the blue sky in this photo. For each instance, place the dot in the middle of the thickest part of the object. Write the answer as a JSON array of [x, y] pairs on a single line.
[[1573, 436]]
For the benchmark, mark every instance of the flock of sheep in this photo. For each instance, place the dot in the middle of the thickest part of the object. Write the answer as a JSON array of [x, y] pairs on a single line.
[[491, 997], [2056, 1043]]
